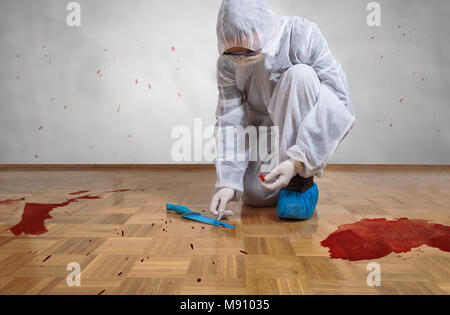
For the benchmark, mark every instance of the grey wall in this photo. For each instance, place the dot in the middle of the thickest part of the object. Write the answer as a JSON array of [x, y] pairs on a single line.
[[49, 78]]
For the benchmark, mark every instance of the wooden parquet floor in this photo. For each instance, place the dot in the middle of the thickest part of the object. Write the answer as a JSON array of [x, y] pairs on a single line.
[[124, 245]]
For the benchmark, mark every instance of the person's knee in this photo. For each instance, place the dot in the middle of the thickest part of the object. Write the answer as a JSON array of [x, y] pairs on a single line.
[[304, 77], [259, 197]]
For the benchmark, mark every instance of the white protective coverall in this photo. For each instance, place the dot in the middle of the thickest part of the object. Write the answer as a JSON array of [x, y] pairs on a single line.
[[298, 86]]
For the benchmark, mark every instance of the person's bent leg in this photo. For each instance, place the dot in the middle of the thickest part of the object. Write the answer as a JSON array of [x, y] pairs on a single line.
[[254, 193], [294, 97]]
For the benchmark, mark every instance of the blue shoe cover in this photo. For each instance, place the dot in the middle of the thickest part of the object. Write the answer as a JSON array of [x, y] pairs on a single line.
[[296, 205]]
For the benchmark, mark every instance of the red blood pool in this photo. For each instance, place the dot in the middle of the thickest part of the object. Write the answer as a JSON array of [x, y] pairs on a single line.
[[8, 201], [262, 177], [244, 252], [35, 214], [377, 238]]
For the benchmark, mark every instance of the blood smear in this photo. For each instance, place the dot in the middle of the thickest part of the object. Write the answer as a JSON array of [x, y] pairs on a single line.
[[8, 201], [79, 192], [377, 238], [262, 177]]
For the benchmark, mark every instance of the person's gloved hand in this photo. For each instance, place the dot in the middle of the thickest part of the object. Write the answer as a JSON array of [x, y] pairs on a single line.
[[220, 201], [284, 171]]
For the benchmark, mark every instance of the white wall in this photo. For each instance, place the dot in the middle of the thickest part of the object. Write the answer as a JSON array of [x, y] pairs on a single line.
[[138, 36]]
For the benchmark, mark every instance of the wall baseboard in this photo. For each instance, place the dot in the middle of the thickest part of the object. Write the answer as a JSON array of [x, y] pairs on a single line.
[[201, 166]]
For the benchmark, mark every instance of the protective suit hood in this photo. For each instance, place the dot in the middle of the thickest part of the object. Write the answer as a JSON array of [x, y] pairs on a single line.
[[248, 23]]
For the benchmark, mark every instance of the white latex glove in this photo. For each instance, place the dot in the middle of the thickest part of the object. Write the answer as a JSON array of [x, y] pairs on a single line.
[[220, 200], [284, 171]]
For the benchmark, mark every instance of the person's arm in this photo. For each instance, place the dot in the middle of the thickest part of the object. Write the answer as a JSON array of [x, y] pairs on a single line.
[[332, 117], [229, 114]]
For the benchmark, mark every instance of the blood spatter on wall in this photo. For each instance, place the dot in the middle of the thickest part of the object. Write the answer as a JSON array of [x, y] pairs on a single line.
[[377, 238]]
